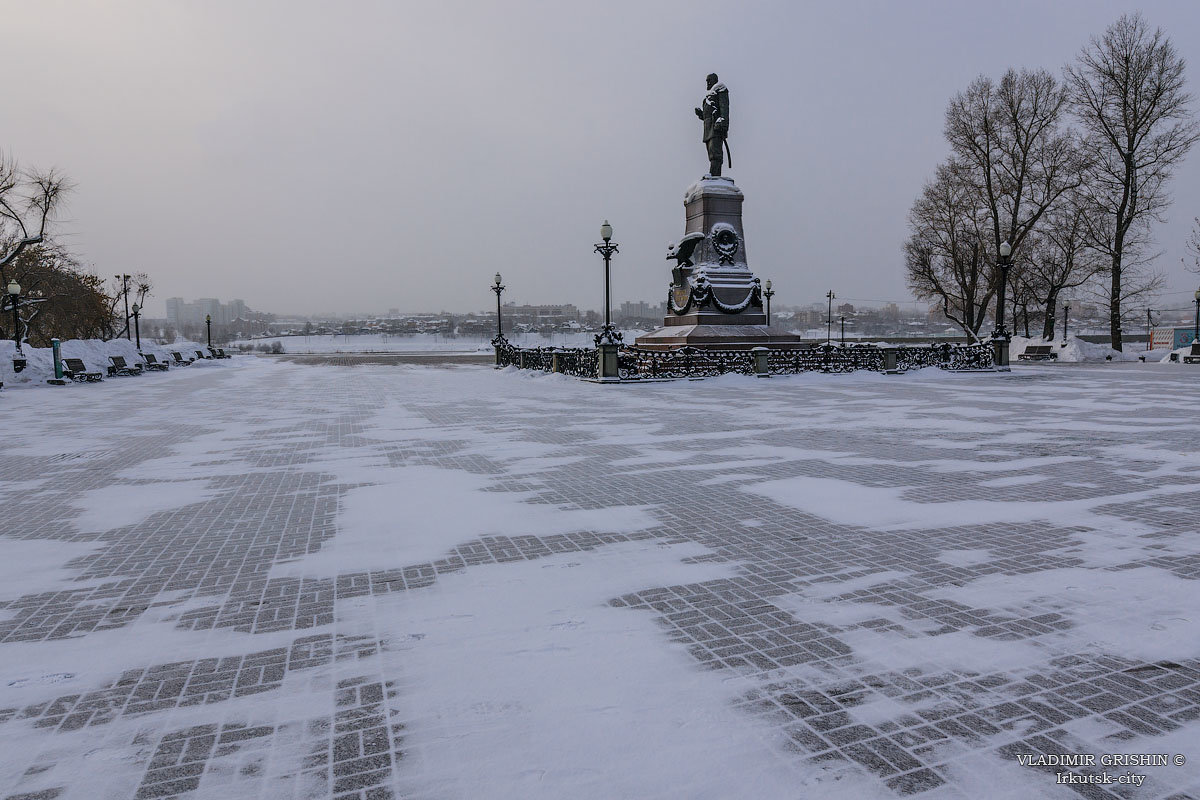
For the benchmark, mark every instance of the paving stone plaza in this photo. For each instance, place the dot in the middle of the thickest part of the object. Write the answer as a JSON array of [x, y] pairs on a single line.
[[274, 579]]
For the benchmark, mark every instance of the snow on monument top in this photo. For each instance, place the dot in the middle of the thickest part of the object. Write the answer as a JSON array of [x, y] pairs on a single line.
[[709, 185]]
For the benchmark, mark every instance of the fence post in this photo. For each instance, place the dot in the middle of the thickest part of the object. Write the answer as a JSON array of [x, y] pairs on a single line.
[[608, 363], [889, 361], [761, 355], [1000, 349]]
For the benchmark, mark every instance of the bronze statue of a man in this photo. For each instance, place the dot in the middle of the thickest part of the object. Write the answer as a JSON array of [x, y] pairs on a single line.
[[715, 113]]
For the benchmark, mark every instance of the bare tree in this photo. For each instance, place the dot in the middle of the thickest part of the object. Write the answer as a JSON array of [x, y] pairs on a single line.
[[140, 285], [1193, 247], [1010, 139], [1022, 293], [1058, 258], [945, 256], [28, 199], [1127, 90]]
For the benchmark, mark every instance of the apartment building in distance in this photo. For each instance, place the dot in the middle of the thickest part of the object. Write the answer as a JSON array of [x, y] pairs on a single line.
[[181, 313]]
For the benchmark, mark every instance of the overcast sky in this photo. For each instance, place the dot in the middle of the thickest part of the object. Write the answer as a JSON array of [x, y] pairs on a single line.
[[360, 156]]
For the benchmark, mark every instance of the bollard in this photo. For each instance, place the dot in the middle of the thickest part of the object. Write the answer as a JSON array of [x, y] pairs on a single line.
[[521, 359], [608, 363], [555, 365], [497, 356], [762, 368]]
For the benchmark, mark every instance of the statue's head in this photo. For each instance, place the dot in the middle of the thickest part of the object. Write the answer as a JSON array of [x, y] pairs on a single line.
[[711, 80]]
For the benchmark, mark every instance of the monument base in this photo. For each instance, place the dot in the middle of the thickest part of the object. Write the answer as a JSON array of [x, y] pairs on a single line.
[[716, 337]]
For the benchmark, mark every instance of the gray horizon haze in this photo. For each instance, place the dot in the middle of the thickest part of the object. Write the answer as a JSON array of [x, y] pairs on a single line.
[[311, 157]]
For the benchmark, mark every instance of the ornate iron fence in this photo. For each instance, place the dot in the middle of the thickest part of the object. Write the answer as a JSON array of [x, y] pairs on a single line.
[[824, 358], [582, 362], [686, 362], [635, 363]]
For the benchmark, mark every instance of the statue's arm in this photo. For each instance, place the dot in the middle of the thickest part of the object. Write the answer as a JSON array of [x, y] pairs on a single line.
[[699, 113]]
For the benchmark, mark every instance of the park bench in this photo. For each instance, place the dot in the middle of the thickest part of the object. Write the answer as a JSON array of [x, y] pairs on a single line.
[[1193, 357], [218, 353], [179, 359], [1038, 352], [119, 367], [152, 362], [74, 369], [200, 355]]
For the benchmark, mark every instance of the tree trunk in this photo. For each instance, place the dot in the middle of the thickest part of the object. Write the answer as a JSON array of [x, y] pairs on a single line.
[[1051, 312], [1114, 302]]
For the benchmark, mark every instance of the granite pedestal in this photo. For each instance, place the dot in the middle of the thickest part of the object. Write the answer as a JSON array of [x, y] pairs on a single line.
[[714, 301]]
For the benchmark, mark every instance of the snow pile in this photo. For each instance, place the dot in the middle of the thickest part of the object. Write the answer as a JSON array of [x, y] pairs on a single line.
[[1164, 356], [1077, 350], [93, 353]]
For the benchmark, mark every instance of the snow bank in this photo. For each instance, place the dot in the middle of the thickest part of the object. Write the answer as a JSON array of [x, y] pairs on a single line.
[[1077, 350], [93, 353], [1164, 356]]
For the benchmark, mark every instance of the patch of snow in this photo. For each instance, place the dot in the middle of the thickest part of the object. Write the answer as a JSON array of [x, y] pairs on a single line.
[[1142, 613], [33, 566], [119, 505], [412, 515], [525, 683]]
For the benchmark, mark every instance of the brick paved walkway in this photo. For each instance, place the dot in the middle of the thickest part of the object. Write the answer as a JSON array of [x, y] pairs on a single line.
[[884, 618]]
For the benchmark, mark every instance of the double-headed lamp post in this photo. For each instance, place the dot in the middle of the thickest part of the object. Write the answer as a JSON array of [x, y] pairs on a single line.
[[14, 295], [137, 328], [769, 293], [1195, 332], [1000, 335], [606, 249], [498, 288], [208, 324]]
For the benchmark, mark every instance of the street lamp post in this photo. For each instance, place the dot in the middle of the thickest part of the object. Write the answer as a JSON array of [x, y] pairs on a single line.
[[843, 330], [829, 318], [769, 293], [1066, 315], [498, 288], [1195, 332], [606, 249], [1000, 335], [14, 295], [124, 279], [137, 328], [208, 324]]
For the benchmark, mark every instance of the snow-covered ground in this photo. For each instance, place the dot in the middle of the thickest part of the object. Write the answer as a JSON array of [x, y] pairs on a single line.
[[282, 580]]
